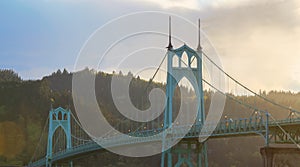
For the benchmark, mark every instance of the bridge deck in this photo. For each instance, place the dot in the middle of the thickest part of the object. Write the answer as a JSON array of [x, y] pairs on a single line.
[[228, 128]]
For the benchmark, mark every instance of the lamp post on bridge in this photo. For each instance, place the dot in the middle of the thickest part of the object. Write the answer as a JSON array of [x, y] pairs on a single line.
[[291, 114]]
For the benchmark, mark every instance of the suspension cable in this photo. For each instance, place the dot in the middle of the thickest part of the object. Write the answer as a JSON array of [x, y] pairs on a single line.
[[232, 98], [284, 131], [90, 135], [151, 79], [251, 107], [80, 139], [245, 87], [40, 140]]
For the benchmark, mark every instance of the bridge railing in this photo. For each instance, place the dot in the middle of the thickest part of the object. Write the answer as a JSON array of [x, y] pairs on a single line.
[[228, 127]]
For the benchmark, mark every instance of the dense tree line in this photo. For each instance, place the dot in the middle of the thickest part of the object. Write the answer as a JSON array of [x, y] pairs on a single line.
[[7, 75], [24, 107]]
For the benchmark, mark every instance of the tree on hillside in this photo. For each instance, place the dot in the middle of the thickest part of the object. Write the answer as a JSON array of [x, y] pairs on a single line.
[[9, 76]]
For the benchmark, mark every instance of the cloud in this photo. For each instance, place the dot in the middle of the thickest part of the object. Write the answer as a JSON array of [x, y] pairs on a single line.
[[258, 42], [189, 4]]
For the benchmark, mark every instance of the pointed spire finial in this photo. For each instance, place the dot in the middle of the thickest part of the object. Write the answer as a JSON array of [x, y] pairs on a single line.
[[199, 48], [170, 43]]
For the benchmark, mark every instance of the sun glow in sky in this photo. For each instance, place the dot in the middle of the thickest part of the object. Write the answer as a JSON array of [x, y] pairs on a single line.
[[258, 40], [189, 4]]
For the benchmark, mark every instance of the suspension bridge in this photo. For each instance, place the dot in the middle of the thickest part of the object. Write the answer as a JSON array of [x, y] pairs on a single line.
[[65, 139]]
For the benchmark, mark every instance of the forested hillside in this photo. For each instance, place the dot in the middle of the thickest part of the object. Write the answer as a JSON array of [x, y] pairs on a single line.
[[24, 107]]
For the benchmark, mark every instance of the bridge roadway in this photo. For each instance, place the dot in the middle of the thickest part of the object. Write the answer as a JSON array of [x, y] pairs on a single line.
[[227, 128]]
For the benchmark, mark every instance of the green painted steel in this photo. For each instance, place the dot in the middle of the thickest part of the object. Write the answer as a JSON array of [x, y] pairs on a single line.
[[58, 118], [227, 128], [273, 131], [176, 71]]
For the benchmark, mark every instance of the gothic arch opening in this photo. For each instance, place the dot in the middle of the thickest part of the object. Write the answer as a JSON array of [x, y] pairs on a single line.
[[184, 100], [59, 140], [59, 116], [54, 116], [184, 60], [194, 62], [175, 61]]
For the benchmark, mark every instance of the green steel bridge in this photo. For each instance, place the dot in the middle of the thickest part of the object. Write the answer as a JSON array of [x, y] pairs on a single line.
[[64, 138], [276, 132]]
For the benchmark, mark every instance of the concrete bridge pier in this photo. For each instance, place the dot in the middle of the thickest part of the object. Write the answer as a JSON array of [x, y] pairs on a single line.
[[280, 157], [267, 155]]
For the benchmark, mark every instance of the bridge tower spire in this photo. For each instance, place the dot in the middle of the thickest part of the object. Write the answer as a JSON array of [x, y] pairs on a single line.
[[199, 48], [58, 118], [170, 46], [176, 71]]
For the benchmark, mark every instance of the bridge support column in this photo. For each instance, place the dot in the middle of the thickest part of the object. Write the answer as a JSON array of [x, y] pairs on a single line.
[[48, 163], [167, 155], [71, 164], [267, 155], [191, 153], [202, 160], [278, 156]]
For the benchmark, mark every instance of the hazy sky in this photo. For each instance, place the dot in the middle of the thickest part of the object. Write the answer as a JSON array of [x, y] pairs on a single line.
[[258, 40]]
